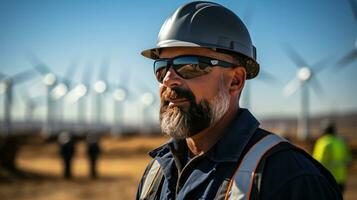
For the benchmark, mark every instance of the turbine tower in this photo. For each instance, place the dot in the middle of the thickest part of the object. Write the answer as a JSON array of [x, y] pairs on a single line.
[[120, 94], [31, 102], [6, 86], [148, 99], [62, 88], [304, 79], [77, 95], [100, 88]]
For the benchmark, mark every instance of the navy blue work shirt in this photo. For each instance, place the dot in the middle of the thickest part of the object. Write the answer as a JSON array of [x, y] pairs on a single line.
[[287, 174]]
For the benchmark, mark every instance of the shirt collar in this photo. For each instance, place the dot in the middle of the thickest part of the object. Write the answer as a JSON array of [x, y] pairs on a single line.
[[228, 148]]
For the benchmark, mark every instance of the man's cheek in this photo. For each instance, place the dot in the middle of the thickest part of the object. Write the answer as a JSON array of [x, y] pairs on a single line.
[[162, 89]]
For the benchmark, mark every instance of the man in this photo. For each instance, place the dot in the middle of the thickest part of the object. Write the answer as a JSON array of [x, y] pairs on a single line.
[[332, 152], [217, 151], [93, 152], [67, 150]]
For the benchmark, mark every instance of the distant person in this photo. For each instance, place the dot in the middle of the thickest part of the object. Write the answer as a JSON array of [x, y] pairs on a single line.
[[93, 151], [203, 57], [332, 152], [67, 150]]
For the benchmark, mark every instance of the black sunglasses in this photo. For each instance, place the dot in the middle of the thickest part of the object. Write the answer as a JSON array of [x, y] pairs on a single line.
[[187, 66]]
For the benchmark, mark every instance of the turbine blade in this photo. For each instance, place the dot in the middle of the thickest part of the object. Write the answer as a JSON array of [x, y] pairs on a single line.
[[353, 5], [292, 87], [2, 76], [23, 76], [316, 86], [71, 70], [24, 96], [38, 64], [267, 77], [103, 73], [87, 73], [248, 15], [124, 80], [29, 99], [111, 86], [295, 56], [321, 64], [348, 58]]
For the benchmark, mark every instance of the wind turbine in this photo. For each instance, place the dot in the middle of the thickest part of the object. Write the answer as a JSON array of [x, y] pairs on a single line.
[[49, 80], [78, 94], [120, 95], [31, 102], [6, 86], [352, 54], [62, 88], [100, 88], [148, 99], [304, 79]]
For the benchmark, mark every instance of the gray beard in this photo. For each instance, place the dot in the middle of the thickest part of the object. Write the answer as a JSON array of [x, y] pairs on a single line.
[[180, 124]]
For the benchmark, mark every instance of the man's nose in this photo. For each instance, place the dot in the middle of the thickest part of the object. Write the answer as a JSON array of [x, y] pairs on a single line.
[[171, 78]]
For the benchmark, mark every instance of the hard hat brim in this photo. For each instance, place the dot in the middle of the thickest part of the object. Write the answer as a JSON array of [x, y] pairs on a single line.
[[154, 53]]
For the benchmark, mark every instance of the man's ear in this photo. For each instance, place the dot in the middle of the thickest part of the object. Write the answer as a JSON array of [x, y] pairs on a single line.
[[238, 80]]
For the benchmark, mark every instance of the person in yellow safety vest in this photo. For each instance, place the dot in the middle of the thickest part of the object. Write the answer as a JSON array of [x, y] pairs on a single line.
[[332, 152]]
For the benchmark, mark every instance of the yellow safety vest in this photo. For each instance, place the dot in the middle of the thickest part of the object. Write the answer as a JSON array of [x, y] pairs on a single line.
[[333, 154]]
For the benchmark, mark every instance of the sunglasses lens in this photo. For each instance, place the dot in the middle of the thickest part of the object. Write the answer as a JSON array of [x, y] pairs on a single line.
[[160, 68], [186, 66], [190, 67]]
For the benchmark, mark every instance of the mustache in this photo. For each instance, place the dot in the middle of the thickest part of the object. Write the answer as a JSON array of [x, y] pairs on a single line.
[[177, 93]]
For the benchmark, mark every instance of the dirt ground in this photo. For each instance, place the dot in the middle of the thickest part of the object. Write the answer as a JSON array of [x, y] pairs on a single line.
[[120, 168]]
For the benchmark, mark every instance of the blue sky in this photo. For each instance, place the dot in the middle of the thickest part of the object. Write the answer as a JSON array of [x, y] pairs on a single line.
[[59, 31]]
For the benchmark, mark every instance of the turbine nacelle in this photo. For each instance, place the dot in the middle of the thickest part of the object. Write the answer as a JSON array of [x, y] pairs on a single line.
[[59, 91], [119, 94], [147, 98], [304, 74], [76, 93], [5, 85], [49, 79], [81, 90], [100, 87]]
